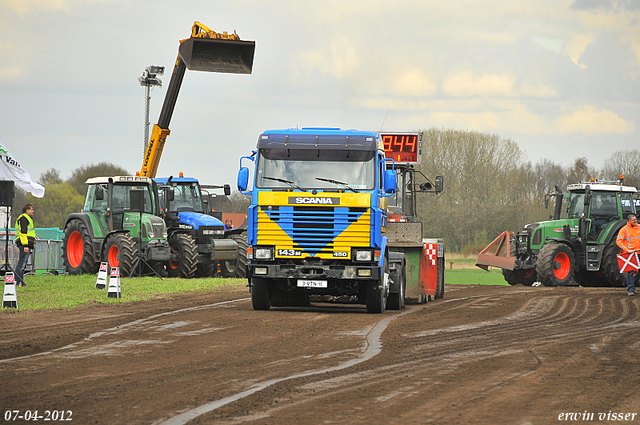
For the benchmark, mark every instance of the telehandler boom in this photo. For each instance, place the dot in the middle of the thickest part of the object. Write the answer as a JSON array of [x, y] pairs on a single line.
[[205, 50]]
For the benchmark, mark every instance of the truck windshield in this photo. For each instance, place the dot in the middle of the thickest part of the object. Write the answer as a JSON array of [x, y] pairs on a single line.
[[302, 167]]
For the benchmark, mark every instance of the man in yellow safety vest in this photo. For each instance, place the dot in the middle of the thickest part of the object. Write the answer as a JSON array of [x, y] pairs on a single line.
[[25, 240]]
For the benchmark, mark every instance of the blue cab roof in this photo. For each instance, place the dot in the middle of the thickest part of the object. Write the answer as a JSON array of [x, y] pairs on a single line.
[[163, 180], [319, 137]]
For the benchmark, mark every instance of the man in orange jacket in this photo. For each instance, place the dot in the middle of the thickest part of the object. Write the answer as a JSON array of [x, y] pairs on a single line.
[[629, 242]]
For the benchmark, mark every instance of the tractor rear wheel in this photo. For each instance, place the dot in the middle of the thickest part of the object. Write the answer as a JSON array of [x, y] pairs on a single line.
[[206, 268], [187, 251], [119, 252], [555, 265], [77, 249], [610, 266], [237, 267]]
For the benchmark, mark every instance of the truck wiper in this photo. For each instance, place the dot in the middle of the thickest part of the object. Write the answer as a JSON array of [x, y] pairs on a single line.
[[290, 183], [343, 184]]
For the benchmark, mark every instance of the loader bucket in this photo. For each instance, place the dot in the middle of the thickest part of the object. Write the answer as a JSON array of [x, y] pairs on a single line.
[[217, 55]]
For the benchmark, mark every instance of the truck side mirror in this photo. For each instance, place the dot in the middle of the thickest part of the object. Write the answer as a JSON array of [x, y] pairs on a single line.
[[390, 184], [99, 193], [243, 179], [439, 184], [227, 190], [171, 195]]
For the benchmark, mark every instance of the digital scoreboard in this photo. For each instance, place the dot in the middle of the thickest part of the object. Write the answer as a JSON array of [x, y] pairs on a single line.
[[403, 147]]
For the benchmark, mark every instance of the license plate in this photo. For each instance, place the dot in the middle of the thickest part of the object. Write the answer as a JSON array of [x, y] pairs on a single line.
[[312, 283]]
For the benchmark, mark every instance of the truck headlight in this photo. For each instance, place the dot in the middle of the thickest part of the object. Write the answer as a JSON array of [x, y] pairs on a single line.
[[363, 255], [262, 253]]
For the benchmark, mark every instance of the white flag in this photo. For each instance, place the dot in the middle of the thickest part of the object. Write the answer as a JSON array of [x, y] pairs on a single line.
[[10, 169]]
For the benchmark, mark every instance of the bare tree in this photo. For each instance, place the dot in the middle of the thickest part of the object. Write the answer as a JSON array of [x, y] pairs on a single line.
[[581, 171], [238, 203], [483, 175], [626, 163]]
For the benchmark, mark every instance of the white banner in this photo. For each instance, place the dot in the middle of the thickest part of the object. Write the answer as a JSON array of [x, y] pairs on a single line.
[[11, 170]]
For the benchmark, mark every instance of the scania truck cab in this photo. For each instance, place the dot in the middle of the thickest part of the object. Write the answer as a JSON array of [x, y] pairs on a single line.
[[318, 217]]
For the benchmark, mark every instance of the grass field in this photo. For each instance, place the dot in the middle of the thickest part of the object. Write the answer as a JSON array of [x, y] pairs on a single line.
[[474, 277], [46, 292]]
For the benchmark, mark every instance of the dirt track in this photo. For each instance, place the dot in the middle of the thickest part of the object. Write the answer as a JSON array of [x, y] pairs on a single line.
[[483, 354]]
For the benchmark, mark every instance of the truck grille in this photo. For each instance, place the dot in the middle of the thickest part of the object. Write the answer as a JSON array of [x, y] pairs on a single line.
[[314, 229]]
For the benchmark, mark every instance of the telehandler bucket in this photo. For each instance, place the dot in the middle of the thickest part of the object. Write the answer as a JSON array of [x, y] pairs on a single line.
[[217, 55]]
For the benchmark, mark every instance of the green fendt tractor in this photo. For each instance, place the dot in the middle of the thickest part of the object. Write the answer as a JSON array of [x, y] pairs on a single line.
[[579, 249], [119, 213]]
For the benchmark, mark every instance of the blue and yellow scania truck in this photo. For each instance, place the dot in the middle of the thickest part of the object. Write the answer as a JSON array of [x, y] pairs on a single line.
[[317, 219]]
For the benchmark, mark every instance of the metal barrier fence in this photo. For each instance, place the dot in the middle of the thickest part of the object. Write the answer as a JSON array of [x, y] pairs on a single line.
[[46, 259]]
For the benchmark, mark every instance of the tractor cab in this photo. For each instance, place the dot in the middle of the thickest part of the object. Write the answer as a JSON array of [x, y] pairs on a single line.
[[601, 204]]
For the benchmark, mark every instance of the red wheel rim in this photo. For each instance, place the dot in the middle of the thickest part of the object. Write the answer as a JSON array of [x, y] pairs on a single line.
[[113, 256], [174, 264], [562, 265], [75, 249]]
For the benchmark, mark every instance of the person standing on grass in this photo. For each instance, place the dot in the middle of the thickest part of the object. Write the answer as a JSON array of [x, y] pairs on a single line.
[[25, 240], [629, 242]]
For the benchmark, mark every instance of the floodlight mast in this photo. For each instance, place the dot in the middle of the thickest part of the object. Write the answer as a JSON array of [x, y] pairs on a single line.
[[149, 79]]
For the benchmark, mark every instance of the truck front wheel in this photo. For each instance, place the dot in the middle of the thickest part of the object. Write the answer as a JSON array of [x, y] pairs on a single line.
[[260, 296], [77, 249], [555, 265], [376, 297]]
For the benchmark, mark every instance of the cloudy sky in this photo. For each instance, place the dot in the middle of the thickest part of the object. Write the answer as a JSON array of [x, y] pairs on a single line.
[[561, 78]]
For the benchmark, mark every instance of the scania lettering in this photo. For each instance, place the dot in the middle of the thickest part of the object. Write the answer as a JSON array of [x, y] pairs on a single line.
[[327, 201]]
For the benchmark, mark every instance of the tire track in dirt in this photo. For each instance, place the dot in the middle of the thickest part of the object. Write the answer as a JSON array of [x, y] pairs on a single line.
[[372, 347], [68, 350], [538, 324]]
